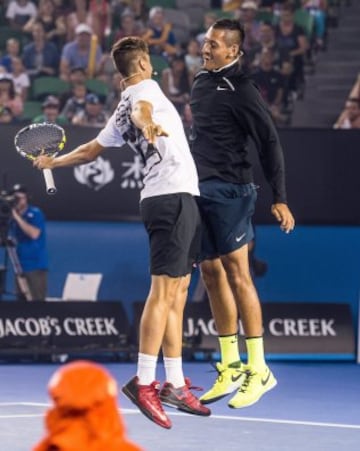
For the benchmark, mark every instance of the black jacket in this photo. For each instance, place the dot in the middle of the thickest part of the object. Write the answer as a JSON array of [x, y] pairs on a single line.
[[227, 110]]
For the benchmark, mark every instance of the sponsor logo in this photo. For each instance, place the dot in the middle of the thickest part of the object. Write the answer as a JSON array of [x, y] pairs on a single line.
[[302, 327], [239, 238], [236, 377], [222, 88], [47, 326], [133, 176], [95, 175], [266, 380]]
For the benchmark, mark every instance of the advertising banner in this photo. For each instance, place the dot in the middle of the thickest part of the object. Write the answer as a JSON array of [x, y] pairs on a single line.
[[291, 330], [62, 326], [108, 189]]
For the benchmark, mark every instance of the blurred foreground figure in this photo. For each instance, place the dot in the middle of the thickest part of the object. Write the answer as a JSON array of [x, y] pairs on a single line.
[[85, 414]]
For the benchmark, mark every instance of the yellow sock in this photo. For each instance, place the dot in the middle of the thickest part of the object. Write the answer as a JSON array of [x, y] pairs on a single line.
[[229, 348], [255, 352]]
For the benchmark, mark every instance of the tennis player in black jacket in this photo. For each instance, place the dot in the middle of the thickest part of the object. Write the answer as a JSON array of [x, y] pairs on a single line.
[[227, 110]]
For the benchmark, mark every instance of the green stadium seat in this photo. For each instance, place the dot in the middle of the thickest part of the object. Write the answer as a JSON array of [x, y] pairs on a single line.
[[32, 108], [7, 33], [162, 3], [265, 16], [98, 87], [220, 14], [44, 86], [159, 63], [305, 20]]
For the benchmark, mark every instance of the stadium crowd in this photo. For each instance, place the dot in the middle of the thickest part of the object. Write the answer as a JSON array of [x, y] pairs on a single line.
[[55, 62]]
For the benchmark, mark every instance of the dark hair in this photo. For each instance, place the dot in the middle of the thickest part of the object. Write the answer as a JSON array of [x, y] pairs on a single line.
[[125, 50], [10, 84], [231, 25]]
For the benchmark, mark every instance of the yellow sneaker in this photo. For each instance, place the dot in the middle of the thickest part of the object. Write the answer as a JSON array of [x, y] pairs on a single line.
[[253, 387], [229, 379]]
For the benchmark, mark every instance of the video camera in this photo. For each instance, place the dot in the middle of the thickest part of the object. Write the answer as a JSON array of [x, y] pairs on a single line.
[[7, 203]]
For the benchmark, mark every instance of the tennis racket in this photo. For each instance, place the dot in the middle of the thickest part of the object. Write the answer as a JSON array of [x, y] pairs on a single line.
[[41, 139]]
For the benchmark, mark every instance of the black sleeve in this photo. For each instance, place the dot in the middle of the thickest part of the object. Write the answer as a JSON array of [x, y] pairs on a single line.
[[258, 123]]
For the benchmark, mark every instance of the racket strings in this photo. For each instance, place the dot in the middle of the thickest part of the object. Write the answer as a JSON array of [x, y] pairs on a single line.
[[37, 141]]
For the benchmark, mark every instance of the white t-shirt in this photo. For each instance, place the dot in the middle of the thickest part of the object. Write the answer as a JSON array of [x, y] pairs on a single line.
[[168, 166], [14, 9], [20, 82]]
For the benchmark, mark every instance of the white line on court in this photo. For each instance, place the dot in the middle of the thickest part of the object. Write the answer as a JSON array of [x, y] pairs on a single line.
[[30, 415], [215, 417]]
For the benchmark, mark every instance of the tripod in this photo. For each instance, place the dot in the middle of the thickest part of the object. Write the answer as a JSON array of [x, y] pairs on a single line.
[[10, 254]]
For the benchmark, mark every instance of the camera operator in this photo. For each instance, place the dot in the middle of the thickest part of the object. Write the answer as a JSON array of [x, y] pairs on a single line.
[[27, 230]]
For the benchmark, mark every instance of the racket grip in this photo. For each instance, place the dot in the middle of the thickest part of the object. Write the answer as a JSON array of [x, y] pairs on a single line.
[[49, 181]]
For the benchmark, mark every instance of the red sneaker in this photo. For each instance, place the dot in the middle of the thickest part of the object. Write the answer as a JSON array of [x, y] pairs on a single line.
[[146, 398], [183, 399]]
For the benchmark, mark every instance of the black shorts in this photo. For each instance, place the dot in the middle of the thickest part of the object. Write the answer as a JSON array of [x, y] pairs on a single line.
[[226, 211], [173, 224]]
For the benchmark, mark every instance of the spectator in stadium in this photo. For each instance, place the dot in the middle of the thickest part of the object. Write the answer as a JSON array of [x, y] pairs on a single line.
[[9, 98], [101, 20], [19, 12], [77, 75], [51, 112], [54, 25], [78, 15], [128, 26], [20, 78], [318, 9], [350, 117], [159, 35], [247, 17], [176, 82], [12, 50], [271, 85], [40, 57], [209, 18], [292, 44], [140, 10], [76, 103], [93, 114], [81, 53], [192, 57]]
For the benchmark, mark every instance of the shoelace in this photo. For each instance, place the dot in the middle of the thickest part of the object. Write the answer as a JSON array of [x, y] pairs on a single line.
[[192, 400], [246, 382], [220, 368], [192, 387]]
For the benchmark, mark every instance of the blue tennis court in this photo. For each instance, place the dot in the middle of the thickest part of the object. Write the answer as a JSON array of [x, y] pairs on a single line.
[[315, 406]]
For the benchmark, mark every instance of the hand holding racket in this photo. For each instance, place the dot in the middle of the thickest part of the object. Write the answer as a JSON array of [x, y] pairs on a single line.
[[41, 139]]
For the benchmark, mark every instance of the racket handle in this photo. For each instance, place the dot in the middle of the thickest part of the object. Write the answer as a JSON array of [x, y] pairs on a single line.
[[49, 181]]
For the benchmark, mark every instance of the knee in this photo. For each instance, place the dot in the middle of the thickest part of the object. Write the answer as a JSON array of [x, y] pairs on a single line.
[[237, 275], [210, 274]]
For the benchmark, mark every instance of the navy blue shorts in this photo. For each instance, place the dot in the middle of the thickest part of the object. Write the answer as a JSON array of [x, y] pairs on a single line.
[[226, 211], [173, 224]]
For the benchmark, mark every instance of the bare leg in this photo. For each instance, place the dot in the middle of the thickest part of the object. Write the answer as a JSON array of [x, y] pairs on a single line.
[[222, 303], [172, 342], [155, 315], [237, 269]]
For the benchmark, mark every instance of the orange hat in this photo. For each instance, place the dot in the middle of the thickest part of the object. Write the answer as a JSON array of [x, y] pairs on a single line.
[[85, 415]]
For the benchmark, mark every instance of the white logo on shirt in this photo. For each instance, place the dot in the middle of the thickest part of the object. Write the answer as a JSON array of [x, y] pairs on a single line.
[[221, 88], [239, 238]]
